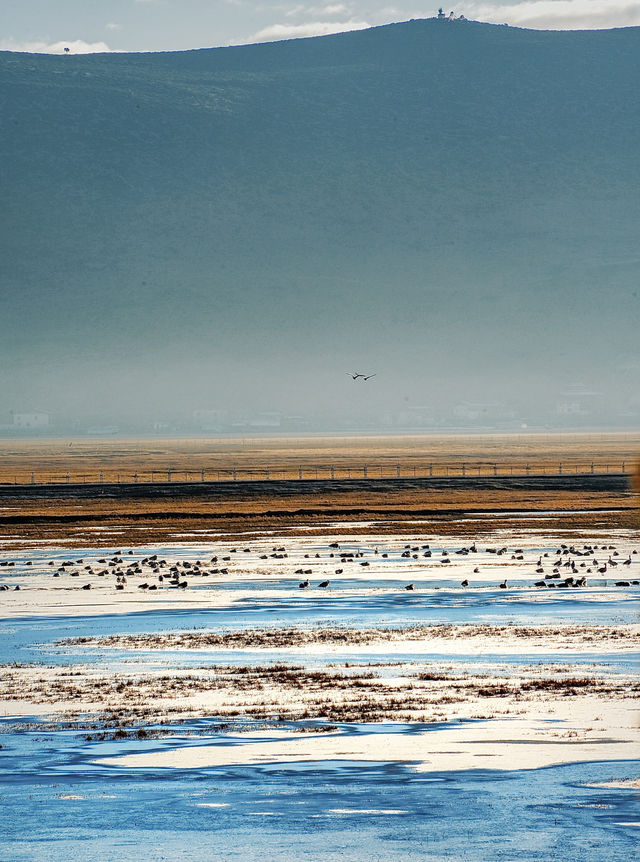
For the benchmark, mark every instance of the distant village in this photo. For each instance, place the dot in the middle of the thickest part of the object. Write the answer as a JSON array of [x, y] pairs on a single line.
[[570, 409]]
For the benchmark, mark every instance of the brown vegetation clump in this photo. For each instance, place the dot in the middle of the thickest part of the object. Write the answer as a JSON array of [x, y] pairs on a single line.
[[559, 636], [360, 693]]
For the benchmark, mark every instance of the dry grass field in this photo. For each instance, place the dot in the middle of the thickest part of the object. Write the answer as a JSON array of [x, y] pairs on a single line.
[[142, 513], [146, 460]]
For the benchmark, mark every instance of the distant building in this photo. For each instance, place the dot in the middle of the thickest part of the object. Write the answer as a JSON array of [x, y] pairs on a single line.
[[295, 422], [36, 420], [442, 16], [578, 402], [103, 430], [570, 408], [481, 413], [209, 419], [415, 417], [266, 420]]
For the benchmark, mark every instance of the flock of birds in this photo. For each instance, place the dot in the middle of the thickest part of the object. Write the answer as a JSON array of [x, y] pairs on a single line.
[[579, 570], [355, 375], [567, 567], [564, 557]]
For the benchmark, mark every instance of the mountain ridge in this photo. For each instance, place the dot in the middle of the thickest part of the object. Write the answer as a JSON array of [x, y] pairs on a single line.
[[457, 196]]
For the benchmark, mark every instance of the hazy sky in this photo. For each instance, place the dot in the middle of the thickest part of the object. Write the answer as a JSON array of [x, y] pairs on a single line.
[[164, 25]]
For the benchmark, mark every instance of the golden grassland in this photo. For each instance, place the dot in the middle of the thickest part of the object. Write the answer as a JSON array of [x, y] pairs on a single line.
[[87, 522], [152, 459], [148, 516]]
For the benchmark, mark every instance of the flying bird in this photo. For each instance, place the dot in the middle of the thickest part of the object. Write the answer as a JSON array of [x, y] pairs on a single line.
[[354, 375]]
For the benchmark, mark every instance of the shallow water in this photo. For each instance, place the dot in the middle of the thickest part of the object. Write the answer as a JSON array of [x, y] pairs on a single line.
[[60, 802]]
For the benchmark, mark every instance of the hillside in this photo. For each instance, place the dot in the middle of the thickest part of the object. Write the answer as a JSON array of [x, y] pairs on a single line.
[[453, 206]]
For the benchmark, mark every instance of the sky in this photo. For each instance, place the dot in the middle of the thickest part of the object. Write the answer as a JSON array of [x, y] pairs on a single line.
[[86, 26]]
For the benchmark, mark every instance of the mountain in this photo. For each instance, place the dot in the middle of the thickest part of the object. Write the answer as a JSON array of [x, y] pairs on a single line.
[[452, 205]]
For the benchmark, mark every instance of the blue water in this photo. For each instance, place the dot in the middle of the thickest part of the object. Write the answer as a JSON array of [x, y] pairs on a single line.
[[315, 810], [326, 811]]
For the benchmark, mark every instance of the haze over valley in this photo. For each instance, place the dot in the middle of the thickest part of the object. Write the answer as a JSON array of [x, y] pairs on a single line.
[[453, 207]]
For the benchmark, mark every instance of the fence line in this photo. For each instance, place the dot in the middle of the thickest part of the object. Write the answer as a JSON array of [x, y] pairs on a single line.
[[320, 472]]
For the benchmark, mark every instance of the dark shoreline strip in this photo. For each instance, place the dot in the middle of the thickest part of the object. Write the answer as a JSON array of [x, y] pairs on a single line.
[[440, 514], [313, 487]]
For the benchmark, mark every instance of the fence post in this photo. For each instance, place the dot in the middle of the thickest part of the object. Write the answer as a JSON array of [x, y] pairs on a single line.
[[235, 475], [364, 471], [560, 468], [168, 475], [464, 469], [624, 467], [431, 469], [135, 478], [527, 469], [32, 480], [300, 472], [333, 472], [398, 470], [495, 469], [67, 478], [592, 466]]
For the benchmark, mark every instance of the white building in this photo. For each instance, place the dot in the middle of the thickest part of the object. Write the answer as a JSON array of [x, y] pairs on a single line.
[[266, 420], [37, 419], [209, 420]]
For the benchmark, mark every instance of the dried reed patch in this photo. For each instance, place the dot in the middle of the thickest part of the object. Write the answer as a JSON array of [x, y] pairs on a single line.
[[369, 693], [553, 637]]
